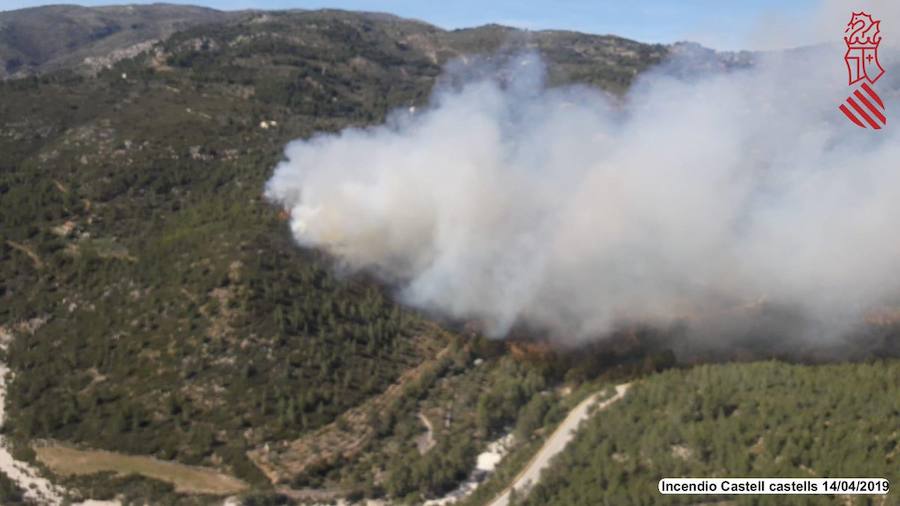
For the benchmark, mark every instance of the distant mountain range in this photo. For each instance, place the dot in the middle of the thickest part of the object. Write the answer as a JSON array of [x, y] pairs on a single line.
[[47, 38], [54, 37]]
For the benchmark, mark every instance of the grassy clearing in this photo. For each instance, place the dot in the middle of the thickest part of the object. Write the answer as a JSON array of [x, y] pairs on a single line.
[[186, 479]]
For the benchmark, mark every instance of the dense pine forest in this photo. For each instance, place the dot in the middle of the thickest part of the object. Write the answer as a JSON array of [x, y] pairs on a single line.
[[743, 420]]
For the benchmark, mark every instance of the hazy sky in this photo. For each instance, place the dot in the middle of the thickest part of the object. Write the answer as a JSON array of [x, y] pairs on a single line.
[[715, 23]]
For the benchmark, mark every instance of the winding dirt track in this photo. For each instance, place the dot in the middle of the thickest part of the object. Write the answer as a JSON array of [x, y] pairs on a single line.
[[556, 443]]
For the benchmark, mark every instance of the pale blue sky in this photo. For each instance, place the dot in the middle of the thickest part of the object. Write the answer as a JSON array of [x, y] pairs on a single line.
[[716, 23]]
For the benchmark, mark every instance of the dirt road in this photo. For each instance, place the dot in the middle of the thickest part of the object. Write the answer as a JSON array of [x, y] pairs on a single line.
[[555, 444]]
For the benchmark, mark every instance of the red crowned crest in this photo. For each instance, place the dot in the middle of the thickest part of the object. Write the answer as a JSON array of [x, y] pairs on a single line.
[[863, 30], [863, 35]]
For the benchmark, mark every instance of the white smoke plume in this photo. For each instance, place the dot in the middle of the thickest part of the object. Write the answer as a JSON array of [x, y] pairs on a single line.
[[709, 200]]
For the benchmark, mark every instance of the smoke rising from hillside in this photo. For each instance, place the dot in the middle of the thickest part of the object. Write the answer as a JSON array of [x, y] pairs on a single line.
[[718, 200]]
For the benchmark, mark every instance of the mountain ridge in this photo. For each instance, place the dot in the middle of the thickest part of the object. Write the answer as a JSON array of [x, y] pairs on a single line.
[[80, 33], [96, 37]]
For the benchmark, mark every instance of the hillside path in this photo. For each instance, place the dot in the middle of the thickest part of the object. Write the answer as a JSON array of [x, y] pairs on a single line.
[[556, 443]]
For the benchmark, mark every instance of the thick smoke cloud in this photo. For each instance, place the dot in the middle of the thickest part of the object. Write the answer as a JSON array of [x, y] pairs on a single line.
[[721, 200]]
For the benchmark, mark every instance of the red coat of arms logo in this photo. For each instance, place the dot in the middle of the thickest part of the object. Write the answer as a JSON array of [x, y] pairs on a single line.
[[864, 107]]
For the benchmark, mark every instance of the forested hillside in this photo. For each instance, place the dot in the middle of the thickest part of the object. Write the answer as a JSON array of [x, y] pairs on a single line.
[[169, 310], [737, 420], [158, 305], [155, 304]]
